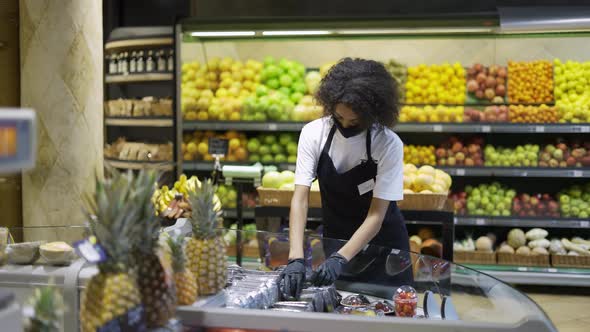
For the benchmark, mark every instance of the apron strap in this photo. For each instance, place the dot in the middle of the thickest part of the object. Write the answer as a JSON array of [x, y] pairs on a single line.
[[329, 140], [368, 143]]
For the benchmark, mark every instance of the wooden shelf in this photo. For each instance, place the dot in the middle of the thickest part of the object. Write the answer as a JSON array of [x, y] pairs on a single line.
[[151, 77], [138, 122], [137, 165], [138, 43]]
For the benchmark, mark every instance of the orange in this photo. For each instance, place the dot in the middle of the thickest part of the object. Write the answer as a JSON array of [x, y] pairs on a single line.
[[241, 154]]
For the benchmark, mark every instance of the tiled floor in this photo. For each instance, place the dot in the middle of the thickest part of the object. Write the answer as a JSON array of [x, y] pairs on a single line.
[[568, 308]]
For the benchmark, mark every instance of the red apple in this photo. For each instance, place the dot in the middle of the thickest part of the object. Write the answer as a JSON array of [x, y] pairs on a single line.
[[472, 86], [481, 78], [490, 82]]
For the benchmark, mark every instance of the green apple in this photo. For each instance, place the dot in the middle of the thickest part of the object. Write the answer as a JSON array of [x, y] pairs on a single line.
[[277, 149], [280, 158], [273, 83], [285, 139], [267, 159], [253, 145], [254, 158], [270, 139], [292, 159], [292, 148]]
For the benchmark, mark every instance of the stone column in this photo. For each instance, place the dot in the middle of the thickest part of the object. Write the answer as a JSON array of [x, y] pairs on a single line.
[[61, 52]]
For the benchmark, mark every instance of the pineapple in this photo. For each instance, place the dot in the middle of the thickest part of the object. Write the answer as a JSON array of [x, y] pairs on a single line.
[[112, 213], [186, 285], [158, 293], [48, 310], [205, 250]]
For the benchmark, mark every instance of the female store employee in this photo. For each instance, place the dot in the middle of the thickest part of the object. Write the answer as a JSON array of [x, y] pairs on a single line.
[[358, 161]]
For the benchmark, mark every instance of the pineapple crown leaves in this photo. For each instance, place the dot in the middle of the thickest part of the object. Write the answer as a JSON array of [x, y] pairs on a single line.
[[47, 310], [117, 212], [176, 246], [206, 214]]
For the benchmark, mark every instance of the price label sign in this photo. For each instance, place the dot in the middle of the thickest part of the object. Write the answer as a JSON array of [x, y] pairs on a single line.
[[480, 221], [460, 171], [437, 128], [584, 224], [540, 129], [132, 321], [218, 146], [273, 127], [486, 129]]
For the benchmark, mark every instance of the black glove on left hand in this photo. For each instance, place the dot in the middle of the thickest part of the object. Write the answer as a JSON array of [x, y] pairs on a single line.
[[329, 271]]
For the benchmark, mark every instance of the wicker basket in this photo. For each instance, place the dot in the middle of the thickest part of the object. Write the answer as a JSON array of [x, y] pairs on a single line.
[[427, 202], [523, 260], [475, 257], [570, 261], [247, 251], [277, 197]]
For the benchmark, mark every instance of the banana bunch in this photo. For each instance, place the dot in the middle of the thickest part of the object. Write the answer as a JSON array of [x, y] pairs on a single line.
[[164, 197]]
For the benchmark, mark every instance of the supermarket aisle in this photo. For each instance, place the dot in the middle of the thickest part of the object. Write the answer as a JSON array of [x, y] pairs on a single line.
[[569, 312]]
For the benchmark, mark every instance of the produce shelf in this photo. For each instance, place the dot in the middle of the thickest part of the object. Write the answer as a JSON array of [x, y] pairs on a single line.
[[522, 222], [138, 122], [138, 43], [518, 171], [131, 78], [137, 165], [537, 275], [506, 128], [202, 166], [243, 125]]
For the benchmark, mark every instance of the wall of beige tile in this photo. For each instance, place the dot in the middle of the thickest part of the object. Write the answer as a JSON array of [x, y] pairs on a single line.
[[61, 78], [314, 53], [10, 185]]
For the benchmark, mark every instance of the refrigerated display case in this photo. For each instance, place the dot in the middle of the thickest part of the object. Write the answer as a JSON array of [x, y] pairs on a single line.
[[232, 80], [459, 298]]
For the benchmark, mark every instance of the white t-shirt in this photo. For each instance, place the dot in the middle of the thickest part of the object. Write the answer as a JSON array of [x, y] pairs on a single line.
[[346, 153]]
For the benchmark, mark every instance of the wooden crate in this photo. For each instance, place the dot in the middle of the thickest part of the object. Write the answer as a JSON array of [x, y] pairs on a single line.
[[277, 197], [247, 251], [475, 257], [428, 202], [570, 261], [523, 260]]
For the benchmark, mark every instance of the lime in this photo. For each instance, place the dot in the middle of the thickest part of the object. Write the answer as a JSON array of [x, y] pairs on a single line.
[[299, 87], [270, 139], [272, 71], [273, 83], [285, 80], [296, 96], [280, 158]]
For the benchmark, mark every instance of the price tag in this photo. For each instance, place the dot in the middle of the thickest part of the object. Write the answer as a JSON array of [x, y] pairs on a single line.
[[291, 167], [540, 129], [218, 146], [437, 128], [132, 321], [480, 221], [273, 127], [486, 129], [584, 224], [581, 129], [522, 269], [577, 174], [91, 252], [460, 171], [552, 270]]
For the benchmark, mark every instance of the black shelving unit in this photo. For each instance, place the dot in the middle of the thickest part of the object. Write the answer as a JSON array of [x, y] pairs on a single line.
[[156, 129]]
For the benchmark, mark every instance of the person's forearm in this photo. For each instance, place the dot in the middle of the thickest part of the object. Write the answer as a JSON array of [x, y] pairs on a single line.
[[297, 222], [363, 235]]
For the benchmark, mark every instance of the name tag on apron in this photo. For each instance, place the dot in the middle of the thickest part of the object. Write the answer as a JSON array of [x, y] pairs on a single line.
[[366, 186]]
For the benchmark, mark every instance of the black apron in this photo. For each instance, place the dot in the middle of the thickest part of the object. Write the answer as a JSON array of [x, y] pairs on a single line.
[[344, 209]]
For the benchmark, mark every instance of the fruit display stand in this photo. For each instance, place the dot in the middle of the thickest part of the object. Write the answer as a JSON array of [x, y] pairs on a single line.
[[468, 106], [139, 64]]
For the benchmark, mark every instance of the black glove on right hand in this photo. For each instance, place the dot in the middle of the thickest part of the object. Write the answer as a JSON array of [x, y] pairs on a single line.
[[293, 278]]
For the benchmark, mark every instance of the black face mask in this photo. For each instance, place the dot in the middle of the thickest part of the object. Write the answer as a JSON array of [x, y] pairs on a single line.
[[350, 131]]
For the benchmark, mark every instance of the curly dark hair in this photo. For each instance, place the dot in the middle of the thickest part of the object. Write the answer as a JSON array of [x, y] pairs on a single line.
[[363, 85]]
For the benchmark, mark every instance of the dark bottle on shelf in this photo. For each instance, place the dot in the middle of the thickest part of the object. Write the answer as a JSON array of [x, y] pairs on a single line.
[[161, 61], [149, 62], [140, 63], [133, 63], [170, 64]]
